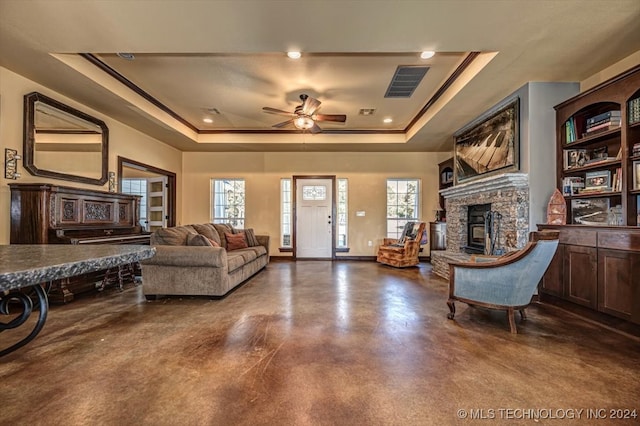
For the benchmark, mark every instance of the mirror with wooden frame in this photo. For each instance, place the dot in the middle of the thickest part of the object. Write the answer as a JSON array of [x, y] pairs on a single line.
[[61, 142]]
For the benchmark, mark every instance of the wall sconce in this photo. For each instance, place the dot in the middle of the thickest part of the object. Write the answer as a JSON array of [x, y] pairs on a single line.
[[11, 158]]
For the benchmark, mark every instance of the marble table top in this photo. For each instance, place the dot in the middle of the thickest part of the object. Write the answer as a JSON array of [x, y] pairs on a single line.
[[26, 265]]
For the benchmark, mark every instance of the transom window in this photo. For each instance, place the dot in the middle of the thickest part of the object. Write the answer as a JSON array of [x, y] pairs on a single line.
[[403, 199], [227, 204], [314, 192]]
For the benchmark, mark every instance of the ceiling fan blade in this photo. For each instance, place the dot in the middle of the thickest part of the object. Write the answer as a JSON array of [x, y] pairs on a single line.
[[310, 105], [283, 124], [315, 129], [277, 111], [338, 118]]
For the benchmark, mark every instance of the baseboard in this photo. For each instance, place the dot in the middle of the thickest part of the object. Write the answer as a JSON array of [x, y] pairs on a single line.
[[361, 258]]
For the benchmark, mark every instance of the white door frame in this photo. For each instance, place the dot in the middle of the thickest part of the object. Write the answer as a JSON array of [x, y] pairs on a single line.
[[294, 205]]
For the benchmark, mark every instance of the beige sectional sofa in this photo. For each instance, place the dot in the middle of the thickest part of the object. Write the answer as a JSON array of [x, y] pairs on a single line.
[[198, 260]]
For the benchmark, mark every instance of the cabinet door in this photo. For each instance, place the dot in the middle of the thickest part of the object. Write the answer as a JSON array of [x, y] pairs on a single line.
[[619, 283], [552, 279], [580, 277]]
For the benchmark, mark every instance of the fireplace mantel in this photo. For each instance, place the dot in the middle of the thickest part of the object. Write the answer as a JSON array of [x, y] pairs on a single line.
[[491, 183]]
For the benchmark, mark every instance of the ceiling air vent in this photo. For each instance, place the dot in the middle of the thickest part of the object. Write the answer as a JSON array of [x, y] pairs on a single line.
[[405, 81], [367, 111]]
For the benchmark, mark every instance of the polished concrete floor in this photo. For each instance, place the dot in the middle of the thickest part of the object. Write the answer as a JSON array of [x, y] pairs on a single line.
[[316, 343]]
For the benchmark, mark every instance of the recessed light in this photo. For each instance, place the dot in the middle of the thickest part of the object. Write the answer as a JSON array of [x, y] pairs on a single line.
[[208, 120], [387, 120], [427, 54], [294, 55]]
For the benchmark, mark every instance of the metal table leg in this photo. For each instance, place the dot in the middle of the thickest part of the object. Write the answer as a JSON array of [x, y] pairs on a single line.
[[16, 298]]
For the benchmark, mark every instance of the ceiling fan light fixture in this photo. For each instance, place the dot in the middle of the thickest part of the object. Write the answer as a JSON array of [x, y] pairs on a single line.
[[303, 123], [294, 54], [427, 54]]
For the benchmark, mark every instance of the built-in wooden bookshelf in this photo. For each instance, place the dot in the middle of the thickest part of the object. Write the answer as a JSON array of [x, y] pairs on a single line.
[[603, 123], [596, 266]]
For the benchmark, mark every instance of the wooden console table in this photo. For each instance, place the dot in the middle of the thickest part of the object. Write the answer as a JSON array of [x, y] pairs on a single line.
[[25, 267]]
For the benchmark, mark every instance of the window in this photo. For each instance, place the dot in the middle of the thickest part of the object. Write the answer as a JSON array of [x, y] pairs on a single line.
[[285, 213], [228, 201], [402, 204], [341, 228], [137, 186]]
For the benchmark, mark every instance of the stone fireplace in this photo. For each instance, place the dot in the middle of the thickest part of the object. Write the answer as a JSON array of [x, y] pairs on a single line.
[[507, 196]]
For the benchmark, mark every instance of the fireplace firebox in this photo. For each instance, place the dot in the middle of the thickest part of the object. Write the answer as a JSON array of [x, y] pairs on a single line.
[[476, 231]]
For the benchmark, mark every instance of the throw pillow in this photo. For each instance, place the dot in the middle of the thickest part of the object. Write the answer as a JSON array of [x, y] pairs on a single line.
[[198, 240], [235, 241], [208, 230], [252, 241], [222, 229], [213, 242]]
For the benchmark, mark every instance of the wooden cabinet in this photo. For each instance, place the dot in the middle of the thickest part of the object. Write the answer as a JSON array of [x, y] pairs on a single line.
[[53, 214], [552, 280], [596, 134], [618, 293], [598, 268], [580, 278]]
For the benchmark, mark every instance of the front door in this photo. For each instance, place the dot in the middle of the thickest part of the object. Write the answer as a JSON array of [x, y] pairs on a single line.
[[314, 230]]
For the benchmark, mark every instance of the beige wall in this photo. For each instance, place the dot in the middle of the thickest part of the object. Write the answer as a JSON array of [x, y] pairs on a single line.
[[366, 172], [611, 71], [123, 141]]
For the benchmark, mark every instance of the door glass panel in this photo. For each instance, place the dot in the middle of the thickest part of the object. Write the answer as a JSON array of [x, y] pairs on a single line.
[[314, 192]]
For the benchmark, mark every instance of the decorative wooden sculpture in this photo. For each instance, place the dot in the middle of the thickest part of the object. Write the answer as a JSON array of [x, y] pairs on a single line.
[[557, 209]]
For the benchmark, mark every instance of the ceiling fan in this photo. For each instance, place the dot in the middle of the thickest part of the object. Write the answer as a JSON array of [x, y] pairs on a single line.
[[304, 116]]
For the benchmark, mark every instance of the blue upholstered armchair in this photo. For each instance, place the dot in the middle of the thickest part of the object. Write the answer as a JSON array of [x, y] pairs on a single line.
[[506, 283]]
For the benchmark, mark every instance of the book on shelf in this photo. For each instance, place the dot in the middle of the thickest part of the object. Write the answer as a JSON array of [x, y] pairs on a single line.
[[570, 130], [605, 116], [613, 120], [595, 190], [636, 149], [616, 183], [634, 110], [603, 127]]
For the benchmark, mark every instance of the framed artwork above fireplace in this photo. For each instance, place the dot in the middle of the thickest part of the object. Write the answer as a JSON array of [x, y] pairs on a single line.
[[490, 144]]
